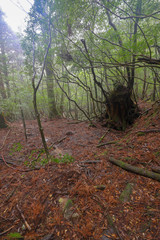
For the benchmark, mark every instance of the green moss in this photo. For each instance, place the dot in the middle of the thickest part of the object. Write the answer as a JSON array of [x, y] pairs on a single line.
[[129, 159], [157, 154], [140, 133], [104, 153]]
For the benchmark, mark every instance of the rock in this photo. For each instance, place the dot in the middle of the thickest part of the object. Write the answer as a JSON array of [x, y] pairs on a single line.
[[125, 195]]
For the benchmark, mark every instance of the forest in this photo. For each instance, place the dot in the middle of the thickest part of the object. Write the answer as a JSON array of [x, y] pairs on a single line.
[[80, 122]]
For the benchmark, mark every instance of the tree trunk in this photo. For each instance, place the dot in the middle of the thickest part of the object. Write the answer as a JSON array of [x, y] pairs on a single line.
[[39, 123], [5, 69], [50, 91], [137, 12], [120, 108], [144, 84]]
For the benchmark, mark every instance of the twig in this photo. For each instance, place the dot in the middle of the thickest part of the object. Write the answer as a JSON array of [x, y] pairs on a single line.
[[56, 142], [25, 222], [10, 194], [107, 143], [6, 162], [5, 139], [146, 111], [2, 233], [91, 161], [29, 170], [103, 136]]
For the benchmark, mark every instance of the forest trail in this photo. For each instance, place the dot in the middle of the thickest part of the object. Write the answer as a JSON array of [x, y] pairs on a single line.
[[79, 197]]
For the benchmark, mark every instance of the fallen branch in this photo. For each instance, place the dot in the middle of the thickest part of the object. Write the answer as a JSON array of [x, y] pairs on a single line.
[[10, 194], [6, 231], [107, 143], [146, 111], [100, 140], [148, 131], [22, 216], [29, 170], [91, 161], [156, 169], [6, 162], [84, 163], [137, 170], [56, 142]]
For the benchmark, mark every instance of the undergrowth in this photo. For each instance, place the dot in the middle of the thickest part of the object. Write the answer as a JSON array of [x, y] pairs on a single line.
[[44, 161]]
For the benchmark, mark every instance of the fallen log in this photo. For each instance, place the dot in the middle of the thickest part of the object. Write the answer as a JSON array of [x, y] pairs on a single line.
[[156, 169], [148, 131], [137, 170], [107, 143]]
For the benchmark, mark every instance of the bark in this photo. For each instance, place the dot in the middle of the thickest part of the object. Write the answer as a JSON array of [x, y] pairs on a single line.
[[156, 169], [50, 90], [5, 68], [138, 12], [149, 60], [35, 89], [39, 123], [23, 121], [120, 108], [144, 84], [137, 170], [154, 90]]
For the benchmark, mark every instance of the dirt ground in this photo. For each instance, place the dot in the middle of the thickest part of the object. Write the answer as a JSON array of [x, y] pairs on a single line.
[[76, 193]]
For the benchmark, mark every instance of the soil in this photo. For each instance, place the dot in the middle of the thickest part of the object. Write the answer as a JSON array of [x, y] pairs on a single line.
[[33, 188]]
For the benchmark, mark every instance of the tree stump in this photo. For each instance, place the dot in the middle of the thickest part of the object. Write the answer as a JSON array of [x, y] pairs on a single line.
[[121, 111]]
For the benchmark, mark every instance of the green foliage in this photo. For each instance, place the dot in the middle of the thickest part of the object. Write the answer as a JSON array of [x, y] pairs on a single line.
[[65, 159], [17, 147], [108, 28], [140, 133], [61, 159], [157, 154], [15, 236]]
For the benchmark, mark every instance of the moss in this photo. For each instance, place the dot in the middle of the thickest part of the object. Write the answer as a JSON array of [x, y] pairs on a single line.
[[140, 133]]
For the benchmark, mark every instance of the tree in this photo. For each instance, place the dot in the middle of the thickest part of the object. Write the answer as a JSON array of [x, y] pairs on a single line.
[[97, 46]]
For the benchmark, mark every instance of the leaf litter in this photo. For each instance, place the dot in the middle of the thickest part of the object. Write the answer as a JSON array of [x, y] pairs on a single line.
[[33, 189]]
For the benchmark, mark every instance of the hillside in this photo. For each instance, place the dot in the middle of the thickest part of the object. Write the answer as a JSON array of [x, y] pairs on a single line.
[[78, 193]]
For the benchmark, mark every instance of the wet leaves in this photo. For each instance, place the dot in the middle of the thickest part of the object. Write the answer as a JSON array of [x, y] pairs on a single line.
[[37, 192]]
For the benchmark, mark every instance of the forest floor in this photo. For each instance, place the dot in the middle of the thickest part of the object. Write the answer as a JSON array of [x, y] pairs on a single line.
[[78, 193]]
